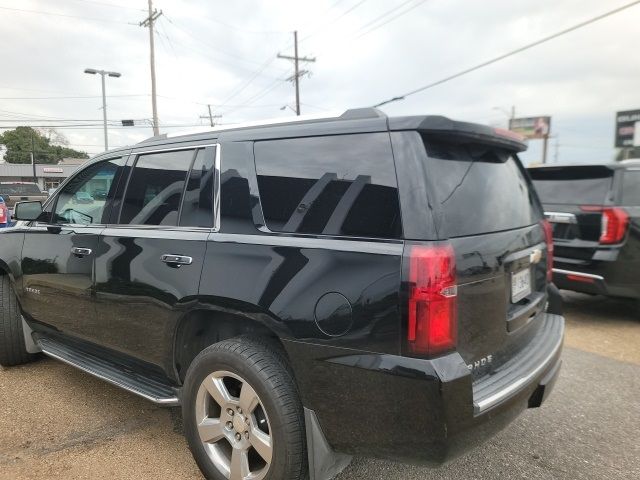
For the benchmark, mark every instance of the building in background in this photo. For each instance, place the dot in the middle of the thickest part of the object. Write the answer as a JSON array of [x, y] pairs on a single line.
[[47, 176]]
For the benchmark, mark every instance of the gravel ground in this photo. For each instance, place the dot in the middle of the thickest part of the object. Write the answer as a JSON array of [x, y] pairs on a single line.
[[59, 423]]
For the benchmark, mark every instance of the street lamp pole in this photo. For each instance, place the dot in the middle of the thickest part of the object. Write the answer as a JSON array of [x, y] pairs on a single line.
[[103, 73]]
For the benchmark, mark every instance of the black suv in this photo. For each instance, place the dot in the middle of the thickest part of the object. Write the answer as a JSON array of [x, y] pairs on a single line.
[[306, 291], [595, 214]]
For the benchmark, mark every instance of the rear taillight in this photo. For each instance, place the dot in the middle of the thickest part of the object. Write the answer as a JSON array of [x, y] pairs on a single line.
[[614, 223], [548, 238], [3, 213], [432, 305]]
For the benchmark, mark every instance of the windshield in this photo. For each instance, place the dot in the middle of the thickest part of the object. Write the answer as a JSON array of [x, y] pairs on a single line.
[[19, 189], [572, 185]]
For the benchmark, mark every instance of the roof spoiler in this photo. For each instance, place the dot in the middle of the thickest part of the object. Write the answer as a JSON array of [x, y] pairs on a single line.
[[471, 132]]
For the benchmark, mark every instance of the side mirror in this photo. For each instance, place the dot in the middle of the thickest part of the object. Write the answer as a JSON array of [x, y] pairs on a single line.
[[27, 211]]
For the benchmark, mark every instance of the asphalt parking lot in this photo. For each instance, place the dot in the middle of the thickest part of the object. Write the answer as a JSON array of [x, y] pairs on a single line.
[[59, 423]]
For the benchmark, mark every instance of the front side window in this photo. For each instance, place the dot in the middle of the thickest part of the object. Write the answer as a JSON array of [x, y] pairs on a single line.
[[335, 185], [83, 199], [156, 187]]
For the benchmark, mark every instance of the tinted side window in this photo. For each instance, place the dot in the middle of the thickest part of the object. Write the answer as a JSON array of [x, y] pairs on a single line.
[[338, 185], [83, 199], [197, 206], [631, 189], [155, 188]]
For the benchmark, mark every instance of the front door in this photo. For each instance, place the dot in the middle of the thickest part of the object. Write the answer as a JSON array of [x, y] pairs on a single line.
[[59, 251], [150, 259]]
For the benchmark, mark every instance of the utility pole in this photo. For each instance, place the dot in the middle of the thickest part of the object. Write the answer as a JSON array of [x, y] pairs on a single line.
[[545, 147], [211, 116], [33, 158], [295, 78], [148, 22]]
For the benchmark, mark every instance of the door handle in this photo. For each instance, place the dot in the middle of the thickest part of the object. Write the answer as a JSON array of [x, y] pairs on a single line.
[[80, 251], [176, 260]]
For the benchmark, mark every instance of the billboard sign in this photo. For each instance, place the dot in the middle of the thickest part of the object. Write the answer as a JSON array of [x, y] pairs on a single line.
[[531, 127], [628, 129]]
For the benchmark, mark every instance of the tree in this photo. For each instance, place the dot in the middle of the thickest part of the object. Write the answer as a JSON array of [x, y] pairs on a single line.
[[18, 143]]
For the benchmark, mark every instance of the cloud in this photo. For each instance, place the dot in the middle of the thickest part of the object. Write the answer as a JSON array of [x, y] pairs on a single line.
[[225, 53]]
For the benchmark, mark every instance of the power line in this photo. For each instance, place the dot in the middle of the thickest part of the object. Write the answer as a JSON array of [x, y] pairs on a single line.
[[216, 48], [234, 27], [343, 14], [257, 96], [40, 12], [73, 97], [385, 14], [105, 4], [511, 53], [376, 27]]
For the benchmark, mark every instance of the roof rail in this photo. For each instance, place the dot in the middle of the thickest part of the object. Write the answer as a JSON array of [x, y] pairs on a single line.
[[351, 114]]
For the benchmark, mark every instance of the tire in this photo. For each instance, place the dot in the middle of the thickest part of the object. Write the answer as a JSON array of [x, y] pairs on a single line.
[[12, 347], [267, 437]]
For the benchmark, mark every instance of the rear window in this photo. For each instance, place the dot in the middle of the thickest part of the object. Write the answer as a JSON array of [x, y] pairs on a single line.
[[479, 189], [631, 188], [572, 186], [19, 189]]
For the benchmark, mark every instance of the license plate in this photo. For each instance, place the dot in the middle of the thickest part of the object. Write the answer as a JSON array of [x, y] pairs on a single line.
[[520, 285]]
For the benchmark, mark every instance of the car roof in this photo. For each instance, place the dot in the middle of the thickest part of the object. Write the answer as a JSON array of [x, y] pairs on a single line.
[[358, 120]]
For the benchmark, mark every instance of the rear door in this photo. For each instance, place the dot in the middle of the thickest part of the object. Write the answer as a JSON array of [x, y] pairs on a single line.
[[150, 256], [573, 198], [486, 208]]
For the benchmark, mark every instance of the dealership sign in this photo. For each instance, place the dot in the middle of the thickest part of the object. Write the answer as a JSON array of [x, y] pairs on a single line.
[[628, 129], [531, 127]]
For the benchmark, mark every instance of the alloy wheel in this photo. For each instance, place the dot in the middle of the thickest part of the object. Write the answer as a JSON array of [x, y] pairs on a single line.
[[233, 427]]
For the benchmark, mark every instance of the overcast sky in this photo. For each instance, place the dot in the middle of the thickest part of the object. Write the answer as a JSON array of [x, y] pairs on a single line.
[[224, 53]]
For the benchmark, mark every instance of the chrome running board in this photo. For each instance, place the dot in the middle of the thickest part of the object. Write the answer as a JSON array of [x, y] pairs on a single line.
[[113, 373]]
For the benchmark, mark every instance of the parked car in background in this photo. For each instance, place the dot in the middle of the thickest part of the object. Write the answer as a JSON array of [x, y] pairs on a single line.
[[5, 217], [82, 197], [595, 214], [13, 192], [305, 290]]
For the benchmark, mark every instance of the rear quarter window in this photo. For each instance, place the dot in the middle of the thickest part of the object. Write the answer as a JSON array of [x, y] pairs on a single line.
[[479, 189], [334, 185]]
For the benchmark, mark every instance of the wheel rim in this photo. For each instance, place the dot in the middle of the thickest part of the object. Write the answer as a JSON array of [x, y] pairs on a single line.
[[233, 426]]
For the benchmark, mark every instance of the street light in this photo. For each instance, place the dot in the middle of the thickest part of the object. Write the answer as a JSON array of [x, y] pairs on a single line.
[[93, 71]]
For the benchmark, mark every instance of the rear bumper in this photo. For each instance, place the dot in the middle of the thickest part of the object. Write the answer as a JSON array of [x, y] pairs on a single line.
[[615, 279], [579, 281], [421, 411], [522, 371]]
